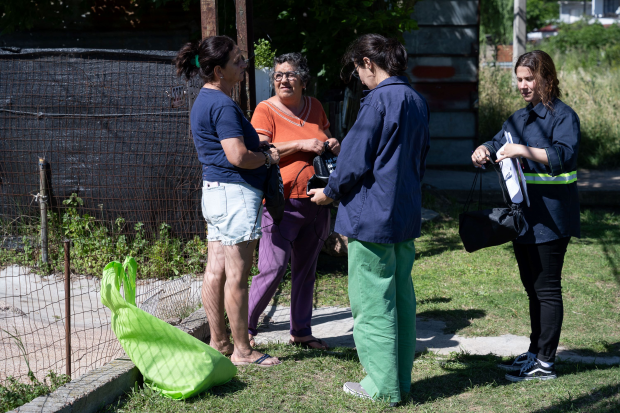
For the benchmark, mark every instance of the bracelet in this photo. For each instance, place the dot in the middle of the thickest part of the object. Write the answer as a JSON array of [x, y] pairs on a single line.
[[268, 161]]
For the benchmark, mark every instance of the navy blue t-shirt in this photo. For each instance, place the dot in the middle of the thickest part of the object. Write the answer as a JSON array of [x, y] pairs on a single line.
[[216, 117]]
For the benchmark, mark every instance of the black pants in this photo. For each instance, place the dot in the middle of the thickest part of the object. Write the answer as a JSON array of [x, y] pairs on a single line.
[[540, 266]]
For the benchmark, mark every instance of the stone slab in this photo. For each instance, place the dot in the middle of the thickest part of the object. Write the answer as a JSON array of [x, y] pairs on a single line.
[[334, 325]]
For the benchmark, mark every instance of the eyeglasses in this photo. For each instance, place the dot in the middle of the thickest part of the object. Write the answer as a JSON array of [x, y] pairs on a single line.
[[241, 59], [355, 74], [279, 76]]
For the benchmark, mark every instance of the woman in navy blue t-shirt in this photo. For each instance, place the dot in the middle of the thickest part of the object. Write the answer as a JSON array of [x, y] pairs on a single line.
[[234, 169]]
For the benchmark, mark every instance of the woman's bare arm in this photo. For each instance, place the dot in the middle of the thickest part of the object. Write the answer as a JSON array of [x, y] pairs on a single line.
[[239, 155], [291, 147]]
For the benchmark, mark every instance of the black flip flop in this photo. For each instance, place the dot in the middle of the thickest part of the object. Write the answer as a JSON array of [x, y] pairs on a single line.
[[306, 344], [259, 362]]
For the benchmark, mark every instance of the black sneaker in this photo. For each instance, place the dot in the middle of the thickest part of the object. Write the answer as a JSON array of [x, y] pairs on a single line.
[[516, 364], [533, 370]]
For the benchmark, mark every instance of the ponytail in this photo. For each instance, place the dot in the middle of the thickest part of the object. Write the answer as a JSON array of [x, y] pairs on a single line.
[[202, 57]]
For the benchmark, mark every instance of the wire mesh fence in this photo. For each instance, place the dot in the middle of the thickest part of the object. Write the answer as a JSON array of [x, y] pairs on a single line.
[[109, 132], [122, 178], [33, 320]]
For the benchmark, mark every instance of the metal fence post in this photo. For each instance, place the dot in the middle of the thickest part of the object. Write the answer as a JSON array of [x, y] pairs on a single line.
[[68, 306], [43, 206]]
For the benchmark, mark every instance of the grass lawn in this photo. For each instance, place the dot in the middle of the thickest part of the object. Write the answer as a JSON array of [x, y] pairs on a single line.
[[480, 294], [311, 381], [476, 294]]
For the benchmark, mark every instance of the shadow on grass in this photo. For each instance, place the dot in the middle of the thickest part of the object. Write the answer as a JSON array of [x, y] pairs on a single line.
[[611, 350], [589, 402], [435, 300], [233, 386], [455, 319], [341, 353], [466, 372], [597, 400], [439, 244]]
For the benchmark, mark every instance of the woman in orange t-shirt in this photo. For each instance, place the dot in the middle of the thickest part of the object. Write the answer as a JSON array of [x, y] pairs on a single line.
[[297, 125]]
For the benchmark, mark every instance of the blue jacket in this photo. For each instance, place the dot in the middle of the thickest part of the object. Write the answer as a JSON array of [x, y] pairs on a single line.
[[381, 164], [554, 202]]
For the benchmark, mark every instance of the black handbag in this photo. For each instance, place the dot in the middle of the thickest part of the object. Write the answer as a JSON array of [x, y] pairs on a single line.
[[324, 165], [274, 193], [490, 227]]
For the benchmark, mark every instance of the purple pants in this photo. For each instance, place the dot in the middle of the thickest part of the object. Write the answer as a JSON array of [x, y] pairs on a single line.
[[299, 238]]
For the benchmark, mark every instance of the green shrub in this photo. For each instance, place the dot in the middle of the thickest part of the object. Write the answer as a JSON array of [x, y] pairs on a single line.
[[263, 54], [583, 45], [95, 243], [15, 393]]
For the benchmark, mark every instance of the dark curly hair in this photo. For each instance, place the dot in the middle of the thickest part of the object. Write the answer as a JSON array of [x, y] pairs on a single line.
[[212, 51], [297, 60], [543, 68], [389, 54]]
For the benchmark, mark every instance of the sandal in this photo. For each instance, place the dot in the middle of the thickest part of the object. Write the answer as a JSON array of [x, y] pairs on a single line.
[[258, 361], [306, 344]]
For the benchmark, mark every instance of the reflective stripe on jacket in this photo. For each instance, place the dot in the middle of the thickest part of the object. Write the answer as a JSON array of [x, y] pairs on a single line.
[[562, 179]]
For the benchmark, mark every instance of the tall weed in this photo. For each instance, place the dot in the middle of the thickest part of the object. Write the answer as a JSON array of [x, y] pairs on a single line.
[[593, 94]]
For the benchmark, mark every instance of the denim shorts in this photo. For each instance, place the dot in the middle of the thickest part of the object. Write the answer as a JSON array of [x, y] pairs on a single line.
[[233, 212]]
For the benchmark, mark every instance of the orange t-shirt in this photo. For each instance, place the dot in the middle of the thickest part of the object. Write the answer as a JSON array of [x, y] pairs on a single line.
[[296, 169]]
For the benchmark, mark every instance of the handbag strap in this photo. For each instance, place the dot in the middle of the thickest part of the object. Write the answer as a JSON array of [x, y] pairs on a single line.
[[502, 184], [478, 179], [472, 189]]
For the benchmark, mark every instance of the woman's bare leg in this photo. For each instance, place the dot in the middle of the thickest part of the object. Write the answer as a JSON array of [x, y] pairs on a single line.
[[213, 297], [237, 267]]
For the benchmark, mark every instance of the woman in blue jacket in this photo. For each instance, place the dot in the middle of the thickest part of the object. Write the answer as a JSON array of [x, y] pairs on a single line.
[[546, 135], [377, 181]]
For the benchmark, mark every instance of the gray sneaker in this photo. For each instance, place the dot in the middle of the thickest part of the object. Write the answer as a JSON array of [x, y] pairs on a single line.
[[357, 390]]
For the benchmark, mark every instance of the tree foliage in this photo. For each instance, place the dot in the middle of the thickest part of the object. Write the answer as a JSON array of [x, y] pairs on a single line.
[[541, 12], [322, 29], [496, 17], [583, 45]]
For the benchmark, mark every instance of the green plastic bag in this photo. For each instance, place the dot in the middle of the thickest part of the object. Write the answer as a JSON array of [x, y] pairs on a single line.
[[171, 361]]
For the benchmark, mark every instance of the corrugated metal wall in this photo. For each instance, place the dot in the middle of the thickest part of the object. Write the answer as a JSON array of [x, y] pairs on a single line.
[[443, 67]]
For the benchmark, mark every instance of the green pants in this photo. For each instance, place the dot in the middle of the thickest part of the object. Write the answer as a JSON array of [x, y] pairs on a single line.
[[384, 309]]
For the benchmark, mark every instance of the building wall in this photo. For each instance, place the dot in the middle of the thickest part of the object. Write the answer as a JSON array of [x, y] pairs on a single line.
[[443, 67], [572, 11]]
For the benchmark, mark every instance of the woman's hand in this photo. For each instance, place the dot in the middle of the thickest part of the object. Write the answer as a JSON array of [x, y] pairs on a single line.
[[480, 156], [333, 145], [319, 198], [511, 150], [274, 154], [312, 145]]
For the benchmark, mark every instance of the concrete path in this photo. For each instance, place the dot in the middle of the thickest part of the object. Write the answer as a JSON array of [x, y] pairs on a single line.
[[335, 326], [596, 188]]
